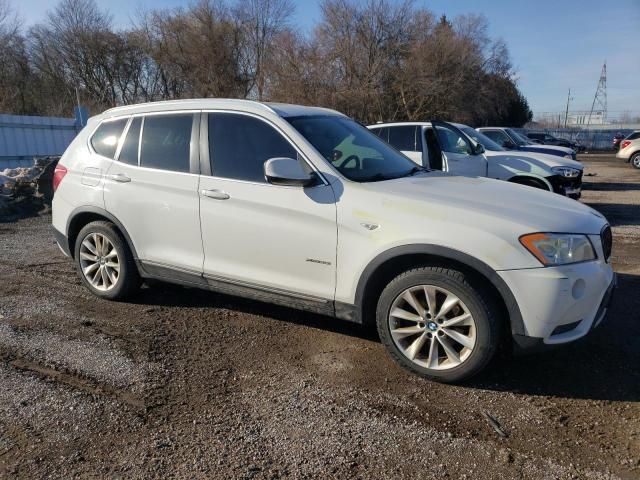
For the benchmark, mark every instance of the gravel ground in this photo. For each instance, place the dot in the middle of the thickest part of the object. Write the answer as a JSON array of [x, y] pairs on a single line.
[[181, 383]]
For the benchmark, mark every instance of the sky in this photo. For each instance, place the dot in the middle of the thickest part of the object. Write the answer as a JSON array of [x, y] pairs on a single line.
[[554, 45]]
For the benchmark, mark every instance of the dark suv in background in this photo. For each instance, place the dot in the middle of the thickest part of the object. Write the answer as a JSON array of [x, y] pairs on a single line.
[[547, 139]]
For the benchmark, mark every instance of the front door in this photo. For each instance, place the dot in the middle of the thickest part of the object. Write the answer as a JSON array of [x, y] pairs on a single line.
[[257, 234], [457, 152]]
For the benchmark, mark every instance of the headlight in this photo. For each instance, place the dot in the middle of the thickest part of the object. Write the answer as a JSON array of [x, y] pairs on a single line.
[[559, 248], [568, 155], [567, 172]]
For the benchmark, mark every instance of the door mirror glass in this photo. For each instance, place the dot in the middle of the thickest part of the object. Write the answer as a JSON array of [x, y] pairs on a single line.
[[288, 172]]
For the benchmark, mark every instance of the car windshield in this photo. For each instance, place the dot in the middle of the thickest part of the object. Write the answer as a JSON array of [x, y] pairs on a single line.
[[482, 139], [356, 152], [518, 138]]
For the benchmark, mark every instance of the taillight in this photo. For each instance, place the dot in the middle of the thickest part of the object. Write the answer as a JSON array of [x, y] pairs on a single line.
[[625, 144], [58, 175]]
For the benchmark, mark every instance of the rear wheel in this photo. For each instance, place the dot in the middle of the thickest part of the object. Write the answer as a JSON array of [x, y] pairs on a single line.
[[104, 261], [436, 324], [635, 160]]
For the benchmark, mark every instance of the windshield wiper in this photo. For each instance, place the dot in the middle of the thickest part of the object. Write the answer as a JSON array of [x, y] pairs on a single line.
[[378, 177]]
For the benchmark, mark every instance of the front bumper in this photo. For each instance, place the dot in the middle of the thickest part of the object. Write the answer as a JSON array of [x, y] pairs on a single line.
[[569, 187], [560, 304]]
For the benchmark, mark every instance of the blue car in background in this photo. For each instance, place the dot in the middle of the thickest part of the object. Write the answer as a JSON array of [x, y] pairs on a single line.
[[511, 140]]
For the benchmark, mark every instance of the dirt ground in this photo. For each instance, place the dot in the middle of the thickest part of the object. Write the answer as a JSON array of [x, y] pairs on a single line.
[[181, 383]]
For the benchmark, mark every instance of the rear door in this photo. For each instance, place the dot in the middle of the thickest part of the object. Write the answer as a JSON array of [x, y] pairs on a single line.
[[152, 189], [458, 152]]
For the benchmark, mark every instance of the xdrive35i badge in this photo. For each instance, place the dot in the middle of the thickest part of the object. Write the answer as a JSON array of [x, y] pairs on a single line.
[[313, 260]]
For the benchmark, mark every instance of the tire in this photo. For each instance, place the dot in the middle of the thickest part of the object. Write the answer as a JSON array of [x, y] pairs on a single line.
[[635, 160], [484, 326], [114, 259]]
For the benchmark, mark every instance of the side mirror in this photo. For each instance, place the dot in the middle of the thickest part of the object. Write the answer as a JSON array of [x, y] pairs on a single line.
[[478, 149], [288, 172], [508, 144]]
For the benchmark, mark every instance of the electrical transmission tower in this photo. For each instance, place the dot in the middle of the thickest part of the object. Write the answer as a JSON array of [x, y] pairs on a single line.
[[600, 98]]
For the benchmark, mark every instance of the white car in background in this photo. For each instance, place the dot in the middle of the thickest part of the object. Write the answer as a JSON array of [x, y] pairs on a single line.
[[510, 139], [630, 149], [462, 150]]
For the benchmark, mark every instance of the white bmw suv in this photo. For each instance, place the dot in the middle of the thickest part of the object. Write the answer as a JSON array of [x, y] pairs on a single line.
[[305, 207]]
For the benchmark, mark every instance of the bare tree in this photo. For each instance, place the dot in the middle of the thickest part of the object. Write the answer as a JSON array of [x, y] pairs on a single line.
[[261, 21]]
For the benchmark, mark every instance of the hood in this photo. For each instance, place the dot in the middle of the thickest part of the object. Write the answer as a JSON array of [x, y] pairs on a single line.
[[556, 148], [508, 207], [539, 163]]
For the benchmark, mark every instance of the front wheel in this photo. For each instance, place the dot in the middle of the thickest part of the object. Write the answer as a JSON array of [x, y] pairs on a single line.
[[436, 324], [635, 160], [531, 182]]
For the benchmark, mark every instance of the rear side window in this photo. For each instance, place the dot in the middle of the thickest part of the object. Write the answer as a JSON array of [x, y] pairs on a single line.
[[239, 145], [129, 151], [403, 138], [106, 137], [633, 136], [166, 141]]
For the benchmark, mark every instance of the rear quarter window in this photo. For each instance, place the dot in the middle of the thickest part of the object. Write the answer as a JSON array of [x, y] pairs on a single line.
[[106, 137]]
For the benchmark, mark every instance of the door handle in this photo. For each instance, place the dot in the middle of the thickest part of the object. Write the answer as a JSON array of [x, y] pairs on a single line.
[[216, 194], [119, 177]]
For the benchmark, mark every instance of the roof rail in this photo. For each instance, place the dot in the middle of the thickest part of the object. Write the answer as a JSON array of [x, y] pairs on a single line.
[[186, 100]]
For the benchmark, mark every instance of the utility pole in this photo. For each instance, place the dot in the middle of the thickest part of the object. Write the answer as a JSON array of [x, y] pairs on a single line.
[[566, 113]]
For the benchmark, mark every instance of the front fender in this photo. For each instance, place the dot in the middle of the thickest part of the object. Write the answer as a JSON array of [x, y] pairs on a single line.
[[444, 253]]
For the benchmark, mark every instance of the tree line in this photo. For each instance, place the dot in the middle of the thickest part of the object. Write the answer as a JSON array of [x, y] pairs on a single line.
[[373, 60]]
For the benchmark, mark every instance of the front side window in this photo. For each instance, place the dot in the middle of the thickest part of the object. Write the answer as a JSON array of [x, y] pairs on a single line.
[[452, 141], [403, 137], [496, 135], [482, 139], [383, 133], [166, 141], [106, 137], [352, 149], [239, 145], [517, 137]]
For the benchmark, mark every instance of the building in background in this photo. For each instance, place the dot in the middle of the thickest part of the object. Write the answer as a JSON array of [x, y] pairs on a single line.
[[23, 138], [582, 118]]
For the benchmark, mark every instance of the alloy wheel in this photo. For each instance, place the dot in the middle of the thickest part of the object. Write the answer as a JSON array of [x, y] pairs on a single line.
[[432, 327], [99, 261]]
